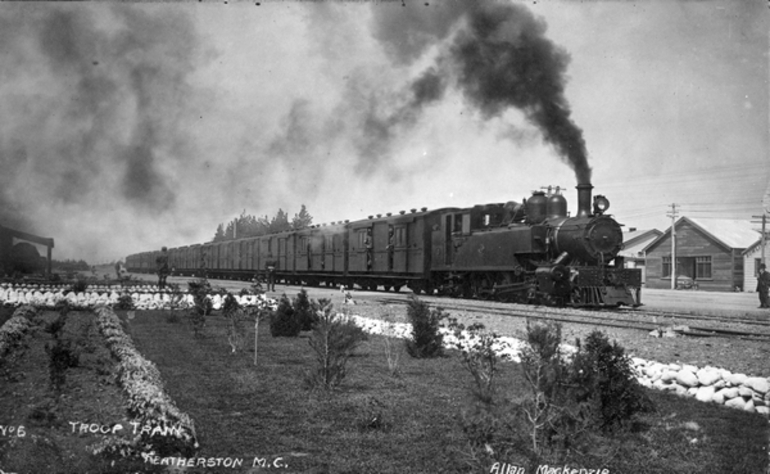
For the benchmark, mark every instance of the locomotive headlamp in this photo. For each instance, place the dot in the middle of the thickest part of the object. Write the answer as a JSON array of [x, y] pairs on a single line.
[[601, 204]]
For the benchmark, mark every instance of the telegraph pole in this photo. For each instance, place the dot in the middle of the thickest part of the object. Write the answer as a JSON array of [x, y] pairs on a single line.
[[764, 223], [763, 239], [673, 216]]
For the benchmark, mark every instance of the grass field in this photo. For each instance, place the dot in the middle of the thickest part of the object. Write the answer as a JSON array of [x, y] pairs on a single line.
[[267, 412]]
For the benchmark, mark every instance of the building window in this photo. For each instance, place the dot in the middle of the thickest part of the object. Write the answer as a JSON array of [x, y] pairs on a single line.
[[666, 267], [703, 267]]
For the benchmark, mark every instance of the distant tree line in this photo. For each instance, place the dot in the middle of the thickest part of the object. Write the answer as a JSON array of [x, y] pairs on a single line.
[[247, 225], [69, 265]]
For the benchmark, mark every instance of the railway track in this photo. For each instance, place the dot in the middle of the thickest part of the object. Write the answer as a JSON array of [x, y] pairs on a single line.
[[624, 319]]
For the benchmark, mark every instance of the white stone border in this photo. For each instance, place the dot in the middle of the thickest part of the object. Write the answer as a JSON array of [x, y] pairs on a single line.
[[144, 300], [707, 384]]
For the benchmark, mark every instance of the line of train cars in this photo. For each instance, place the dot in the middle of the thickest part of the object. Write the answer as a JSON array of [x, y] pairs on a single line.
[[530, 252]]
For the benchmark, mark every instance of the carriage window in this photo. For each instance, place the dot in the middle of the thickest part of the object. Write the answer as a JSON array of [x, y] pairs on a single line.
[[458, 223], [362, 239], [400, 237]]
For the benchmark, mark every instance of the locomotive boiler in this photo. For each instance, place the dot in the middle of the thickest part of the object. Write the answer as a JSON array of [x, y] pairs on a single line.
[[529, 252]]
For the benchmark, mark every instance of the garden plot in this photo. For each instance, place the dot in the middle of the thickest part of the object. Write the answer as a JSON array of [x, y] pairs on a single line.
[[418, 418]]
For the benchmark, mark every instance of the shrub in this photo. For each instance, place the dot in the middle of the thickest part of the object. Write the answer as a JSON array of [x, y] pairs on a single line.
[[200, 290], [479, 357], [426, 339], [305, 310], [79, 286], [524, 429], [392, 350], [235, 316], [568, 402], [334, 338], [601, 378], [547, 411], [125, 302], [284, 322]]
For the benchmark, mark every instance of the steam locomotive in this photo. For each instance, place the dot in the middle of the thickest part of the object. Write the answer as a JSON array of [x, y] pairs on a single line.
[[529, 252]]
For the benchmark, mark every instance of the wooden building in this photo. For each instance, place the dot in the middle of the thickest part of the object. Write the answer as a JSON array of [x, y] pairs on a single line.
[[752, 257], [709, 254], [634, 243]]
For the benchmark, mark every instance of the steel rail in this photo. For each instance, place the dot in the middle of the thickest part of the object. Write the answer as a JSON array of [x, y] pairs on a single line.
[[575, 316]]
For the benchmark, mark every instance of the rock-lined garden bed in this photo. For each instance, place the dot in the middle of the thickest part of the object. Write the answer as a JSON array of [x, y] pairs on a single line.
[[707, 384], [100, 412], [148, 402], [14, 330]]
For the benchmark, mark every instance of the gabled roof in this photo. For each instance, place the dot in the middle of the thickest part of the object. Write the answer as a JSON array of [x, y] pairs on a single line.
[[729, 233], [633, 237], [756, 244], [634, 242]]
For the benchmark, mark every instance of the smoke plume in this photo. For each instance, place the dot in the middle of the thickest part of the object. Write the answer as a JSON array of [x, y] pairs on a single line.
[[498, 57]]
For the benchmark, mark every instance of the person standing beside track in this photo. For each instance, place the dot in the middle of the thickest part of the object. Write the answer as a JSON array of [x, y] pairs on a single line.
[[271, 264], [763, 284], [161, 263]]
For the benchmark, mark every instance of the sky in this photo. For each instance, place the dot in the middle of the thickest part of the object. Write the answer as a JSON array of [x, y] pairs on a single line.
[[127, 127]]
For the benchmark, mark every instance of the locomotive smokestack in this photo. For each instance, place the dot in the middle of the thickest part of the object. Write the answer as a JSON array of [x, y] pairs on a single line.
[[584, 200]]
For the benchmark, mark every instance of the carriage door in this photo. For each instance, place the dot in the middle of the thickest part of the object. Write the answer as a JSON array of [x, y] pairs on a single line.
[[380, 243], [290, 253], [399, 249], [282, 253], [448, 250], [359, 249]]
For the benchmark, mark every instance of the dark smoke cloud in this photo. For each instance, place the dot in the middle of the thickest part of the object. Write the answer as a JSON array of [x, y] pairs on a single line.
[[93, 99], [497, 56], [505, 60]]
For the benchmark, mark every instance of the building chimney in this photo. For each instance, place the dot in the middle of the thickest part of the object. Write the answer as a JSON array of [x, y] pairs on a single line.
[[584, 200]]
